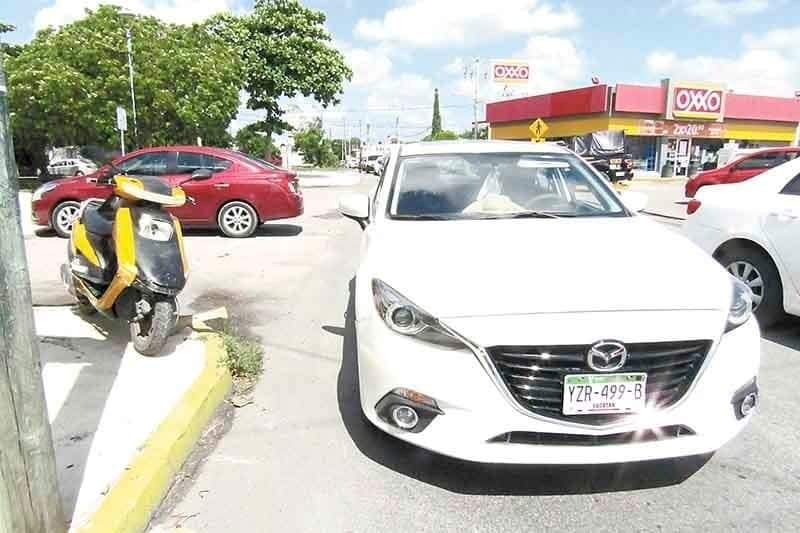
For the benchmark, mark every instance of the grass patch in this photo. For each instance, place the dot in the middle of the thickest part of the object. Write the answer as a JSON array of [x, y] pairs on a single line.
[[244, 359]]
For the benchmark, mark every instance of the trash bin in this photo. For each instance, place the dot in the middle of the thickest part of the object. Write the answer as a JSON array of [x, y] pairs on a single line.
[[668, 170]]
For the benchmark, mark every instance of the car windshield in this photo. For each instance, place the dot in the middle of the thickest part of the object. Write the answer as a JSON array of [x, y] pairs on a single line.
[[499, 185]]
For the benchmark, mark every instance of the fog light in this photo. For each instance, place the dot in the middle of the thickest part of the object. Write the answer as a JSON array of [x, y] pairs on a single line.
[[404, 417], [748, 403]]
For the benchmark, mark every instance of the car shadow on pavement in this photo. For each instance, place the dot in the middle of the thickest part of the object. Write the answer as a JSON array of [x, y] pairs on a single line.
[[265, 230], [786, 333], [487, 479]]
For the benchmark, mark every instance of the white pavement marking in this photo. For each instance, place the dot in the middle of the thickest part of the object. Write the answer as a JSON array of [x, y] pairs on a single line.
[[104, 399]]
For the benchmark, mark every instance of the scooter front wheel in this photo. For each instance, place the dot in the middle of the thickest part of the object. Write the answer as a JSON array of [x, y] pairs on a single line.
[[150, 333]]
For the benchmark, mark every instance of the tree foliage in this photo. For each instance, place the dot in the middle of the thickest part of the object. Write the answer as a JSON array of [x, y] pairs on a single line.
[[65, 84], [442, 135], [285, 51], [317, 150], [483, 133], [436, 122], [252, 140]]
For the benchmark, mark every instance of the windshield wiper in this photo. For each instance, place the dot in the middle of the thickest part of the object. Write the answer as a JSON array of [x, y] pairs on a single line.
[[423, 217], [523, 214]]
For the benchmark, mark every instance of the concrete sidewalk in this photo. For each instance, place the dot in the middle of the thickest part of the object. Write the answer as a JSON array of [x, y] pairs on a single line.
[[104, 399]]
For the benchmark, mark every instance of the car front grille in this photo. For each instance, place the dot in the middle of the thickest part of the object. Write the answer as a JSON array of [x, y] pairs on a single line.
[[534, 375]]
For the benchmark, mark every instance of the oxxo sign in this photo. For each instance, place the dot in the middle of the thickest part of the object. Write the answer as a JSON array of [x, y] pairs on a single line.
[[509, 71], [696, 101]]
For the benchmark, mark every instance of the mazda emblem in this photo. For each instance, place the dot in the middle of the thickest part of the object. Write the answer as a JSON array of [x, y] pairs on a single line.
[[606, 356]]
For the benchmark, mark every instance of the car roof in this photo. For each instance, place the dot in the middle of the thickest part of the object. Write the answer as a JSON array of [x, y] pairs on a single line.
[[481, 147]]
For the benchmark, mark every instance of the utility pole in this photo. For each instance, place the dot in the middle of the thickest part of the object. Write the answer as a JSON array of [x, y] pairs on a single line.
[[473, 72], [397, 128], [129, 39], [29, 497]]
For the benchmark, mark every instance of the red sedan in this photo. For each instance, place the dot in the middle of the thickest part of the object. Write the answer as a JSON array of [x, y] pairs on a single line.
[[242, 193], [742, 168]]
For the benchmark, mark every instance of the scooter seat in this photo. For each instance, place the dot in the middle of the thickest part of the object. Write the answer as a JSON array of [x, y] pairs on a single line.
[[96, 221]]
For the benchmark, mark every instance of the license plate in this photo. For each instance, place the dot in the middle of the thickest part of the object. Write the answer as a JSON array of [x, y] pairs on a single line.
[[604, 393]]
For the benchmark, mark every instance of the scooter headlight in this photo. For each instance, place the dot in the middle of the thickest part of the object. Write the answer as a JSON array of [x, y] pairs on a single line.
[[155, 229]]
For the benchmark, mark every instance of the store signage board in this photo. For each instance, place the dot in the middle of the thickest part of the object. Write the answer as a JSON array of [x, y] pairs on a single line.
[[509, 78], [695, 100], [673, 128]]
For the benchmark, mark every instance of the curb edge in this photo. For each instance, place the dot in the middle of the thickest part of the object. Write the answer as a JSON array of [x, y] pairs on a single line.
[[134, 497]]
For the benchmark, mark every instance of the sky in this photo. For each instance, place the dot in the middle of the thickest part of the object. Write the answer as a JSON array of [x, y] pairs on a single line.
[[400, 50]]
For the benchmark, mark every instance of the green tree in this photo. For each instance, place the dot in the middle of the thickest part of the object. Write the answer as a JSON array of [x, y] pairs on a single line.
[[9, 50], [436, 123], [286, 51], [65, 84], [443, 135], [253, 141], [317, 150], [483, 133]]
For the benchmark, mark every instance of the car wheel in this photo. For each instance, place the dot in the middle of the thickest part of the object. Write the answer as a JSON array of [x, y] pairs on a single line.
[[237, 219], [758, 272], [79, 173], [63, 216]]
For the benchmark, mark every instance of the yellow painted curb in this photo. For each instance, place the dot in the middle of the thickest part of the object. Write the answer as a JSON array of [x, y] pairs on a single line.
[[131, 501]]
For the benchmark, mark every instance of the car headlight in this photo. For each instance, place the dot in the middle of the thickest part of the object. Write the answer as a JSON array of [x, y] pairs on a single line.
[[741, 305], [40, 191], [155, 229], [404, 317]]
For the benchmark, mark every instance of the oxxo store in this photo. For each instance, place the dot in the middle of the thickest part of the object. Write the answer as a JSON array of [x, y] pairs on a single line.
[[676, 123]]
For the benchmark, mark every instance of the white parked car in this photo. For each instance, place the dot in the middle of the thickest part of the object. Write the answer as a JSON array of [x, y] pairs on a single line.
[[753, 229], [72, 166], [511, 307]]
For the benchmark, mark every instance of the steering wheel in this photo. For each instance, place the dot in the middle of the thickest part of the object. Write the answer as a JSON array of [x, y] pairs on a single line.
[[548, 199]]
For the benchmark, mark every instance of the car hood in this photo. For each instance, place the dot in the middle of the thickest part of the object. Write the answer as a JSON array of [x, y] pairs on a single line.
[[495, 267]]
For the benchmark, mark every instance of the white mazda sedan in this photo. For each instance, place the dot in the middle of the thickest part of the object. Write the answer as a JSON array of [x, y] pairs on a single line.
[[511, 307]]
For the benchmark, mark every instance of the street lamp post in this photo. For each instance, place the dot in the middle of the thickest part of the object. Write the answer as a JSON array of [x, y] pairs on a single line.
[[133, 92]]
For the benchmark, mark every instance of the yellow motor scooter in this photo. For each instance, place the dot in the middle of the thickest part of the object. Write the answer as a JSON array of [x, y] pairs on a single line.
[[127, 258]]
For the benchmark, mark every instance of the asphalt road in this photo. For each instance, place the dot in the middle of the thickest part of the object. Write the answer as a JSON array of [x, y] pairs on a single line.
[[300, 458]]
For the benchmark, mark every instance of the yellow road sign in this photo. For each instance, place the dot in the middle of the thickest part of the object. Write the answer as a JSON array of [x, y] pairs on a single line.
[[538, 128]]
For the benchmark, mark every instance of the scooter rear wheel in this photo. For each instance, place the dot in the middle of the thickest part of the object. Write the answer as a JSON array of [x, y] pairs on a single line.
[[150, 333]]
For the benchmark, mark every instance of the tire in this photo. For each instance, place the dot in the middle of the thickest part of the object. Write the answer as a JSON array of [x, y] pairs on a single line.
[[62, 217], [758, 271], [150, 334], [237, 220], [78, 173]]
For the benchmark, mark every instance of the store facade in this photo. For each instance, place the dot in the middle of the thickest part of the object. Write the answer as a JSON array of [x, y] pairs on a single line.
[[680, 123]]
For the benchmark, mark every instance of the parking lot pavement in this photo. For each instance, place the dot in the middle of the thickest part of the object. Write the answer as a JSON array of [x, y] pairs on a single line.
[[300, 458], [666, 200]]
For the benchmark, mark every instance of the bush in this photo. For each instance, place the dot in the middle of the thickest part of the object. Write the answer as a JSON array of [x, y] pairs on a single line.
[[244, 358]]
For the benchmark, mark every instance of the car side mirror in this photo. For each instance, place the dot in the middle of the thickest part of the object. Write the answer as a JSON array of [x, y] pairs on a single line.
[[355, 207], [633, 200], [201, 174]]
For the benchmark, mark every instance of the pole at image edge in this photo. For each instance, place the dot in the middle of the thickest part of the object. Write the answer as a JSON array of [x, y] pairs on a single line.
[[29, 497]]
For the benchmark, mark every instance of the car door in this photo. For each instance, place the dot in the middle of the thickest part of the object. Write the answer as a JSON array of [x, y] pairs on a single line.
[[754, 165], [203, 198], [782, 226]]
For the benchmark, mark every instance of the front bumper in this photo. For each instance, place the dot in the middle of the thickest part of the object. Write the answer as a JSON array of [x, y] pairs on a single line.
[[477, 410], [40, 213]]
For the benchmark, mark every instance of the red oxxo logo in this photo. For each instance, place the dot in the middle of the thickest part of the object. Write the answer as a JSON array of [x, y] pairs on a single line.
[[694, 101], [511, 72]]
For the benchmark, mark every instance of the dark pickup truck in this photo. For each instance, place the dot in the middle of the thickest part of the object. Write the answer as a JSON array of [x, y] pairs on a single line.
[[605, 151]]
